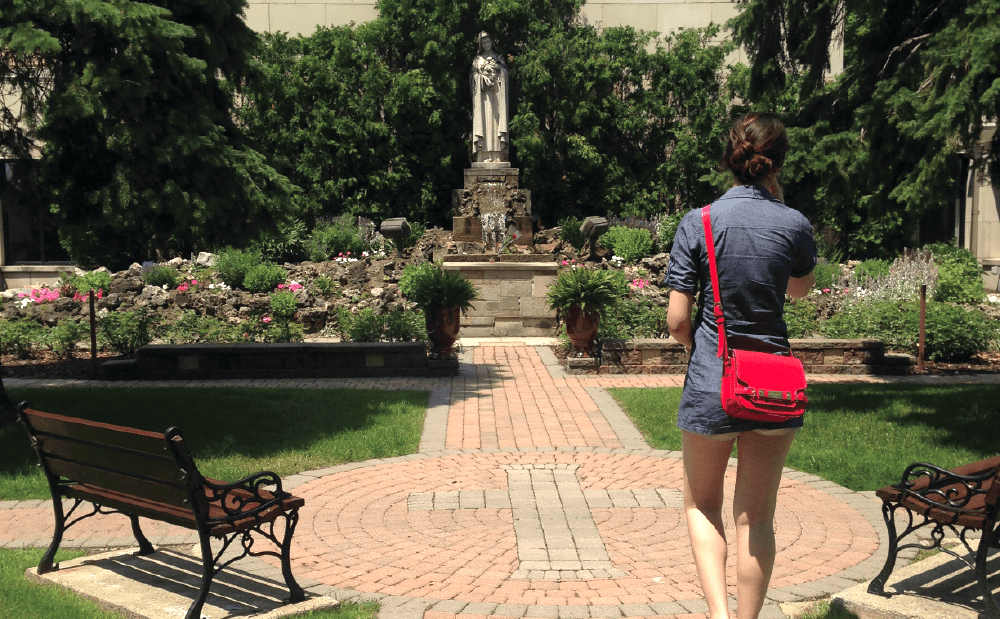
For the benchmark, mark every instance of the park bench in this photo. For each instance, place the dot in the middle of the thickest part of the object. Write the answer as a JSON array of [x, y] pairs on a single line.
[[152, 475], [961, 500]]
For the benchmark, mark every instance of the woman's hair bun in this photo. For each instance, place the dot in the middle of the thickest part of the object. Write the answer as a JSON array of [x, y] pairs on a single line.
[[756, 147]]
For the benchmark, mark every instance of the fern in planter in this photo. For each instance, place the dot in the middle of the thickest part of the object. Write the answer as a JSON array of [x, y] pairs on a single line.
[[593, 291], [433, 288]]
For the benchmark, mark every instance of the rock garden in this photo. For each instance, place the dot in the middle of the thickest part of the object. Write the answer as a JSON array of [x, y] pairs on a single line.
[[354, 295]]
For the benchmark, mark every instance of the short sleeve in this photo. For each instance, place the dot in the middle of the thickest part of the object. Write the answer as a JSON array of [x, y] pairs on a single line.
[[682, 272], [805, 250]]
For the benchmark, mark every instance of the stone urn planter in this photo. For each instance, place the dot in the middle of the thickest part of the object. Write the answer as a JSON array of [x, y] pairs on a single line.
[[442, 296], [442, 330], [581, 327], [582, 296]]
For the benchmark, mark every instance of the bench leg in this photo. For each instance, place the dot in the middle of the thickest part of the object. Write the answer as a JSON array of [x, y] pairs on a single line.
[[208, 570], [45, 565], [145, 548], [982, 574], [296, 594], [877, 585]]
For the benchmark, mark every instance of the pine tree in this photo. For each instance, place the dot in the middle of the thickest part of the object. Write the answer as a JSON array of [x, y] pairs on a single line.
[[876, 148], [134, 108]]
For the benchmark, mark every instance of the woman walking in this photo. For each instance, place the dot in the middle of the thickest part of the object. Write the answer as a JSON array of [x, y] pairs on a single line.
[[764, 250]]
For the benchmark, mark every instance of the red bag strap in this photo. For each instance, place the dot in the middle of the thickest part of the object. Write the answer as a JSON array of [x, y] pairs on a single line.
[[720, 318]]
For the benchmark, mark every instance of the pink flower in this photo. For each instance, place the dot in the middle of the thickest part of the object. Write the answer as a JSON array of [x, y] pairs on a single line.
[[194, 282], [266, 319], [21, 294], [182, 288], [295, 287], [100, 293], [564, 263], [280, 286], [826, 290]]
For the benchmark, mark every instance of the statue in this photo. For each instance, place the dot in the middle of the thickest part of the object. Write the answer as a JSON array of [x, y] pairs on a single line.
[[488, 82]]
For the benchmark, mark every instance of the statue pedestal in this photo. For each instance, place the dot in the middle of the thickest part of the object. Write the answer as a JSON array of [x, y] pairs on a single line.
[[500, 181]]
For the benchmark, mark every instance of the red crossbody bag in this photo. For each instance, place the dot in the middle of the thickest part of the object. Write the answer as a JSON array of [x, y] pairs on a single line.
[[755, 385]]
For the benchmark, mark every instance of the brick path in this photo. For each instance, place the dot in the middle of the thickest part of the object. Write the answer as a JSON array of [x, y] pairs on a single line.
[[532, 495]]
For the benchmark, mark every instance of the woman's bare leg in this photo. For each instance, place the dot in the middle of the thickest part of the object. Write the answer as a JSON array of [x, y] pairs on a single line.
[[705, 464], [758, 476]]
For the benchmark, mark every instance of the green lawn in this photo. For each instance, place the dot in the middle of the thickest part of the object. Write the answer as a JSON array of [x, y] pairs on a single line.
[[232, 432], [859, 436]]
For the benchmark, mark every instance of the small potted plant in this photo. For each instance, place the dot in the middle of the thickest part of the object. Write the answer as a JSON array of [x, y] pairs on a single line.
[[581, 296], [441, 295]]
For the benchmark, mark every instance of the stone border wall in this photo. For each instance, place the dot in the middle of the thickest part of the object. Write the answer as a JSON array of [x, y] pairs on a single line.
[[299, 360], [512, 298], [667, 356]]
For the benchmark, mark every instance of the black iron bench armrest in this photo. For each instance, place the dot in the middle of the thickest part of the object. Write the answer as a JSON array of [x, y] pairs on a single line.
[[945, 489], [246, 498]]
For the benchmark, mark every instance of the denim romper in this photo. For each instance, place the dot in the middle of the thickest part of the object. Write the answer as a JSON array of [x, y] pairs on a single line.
[[759, 244]]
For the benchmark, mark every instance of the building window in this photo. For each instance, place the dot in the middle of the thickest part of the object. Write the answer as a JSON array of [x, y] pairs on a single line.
[[30, 233]]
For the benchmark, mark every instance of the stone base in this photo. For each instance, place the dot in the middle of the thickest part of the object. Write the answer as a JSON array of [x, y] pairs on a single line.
[[32, 275], [470, 230], [512, 298], [491, 173]]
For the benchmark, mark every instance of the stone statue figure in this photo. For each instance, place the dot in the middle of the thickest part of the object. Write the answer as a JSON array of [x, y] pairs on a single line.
[[488, 82]]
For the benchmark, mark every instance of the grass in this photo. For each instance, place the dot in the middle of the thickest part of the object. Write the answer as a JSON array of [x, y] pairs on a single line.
[[23, 599], [232, 432], [859, 436]]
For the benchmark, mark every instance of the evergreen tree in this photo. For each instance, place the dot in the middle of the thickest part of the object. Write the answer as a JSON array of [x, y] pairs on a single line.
[[134, 109], [375, 120], [876, 148]]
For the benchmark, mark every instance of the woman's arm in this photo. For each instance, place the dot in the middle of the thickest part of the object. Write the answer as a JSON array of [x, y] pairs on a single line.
[[679, 317], [799, 287]]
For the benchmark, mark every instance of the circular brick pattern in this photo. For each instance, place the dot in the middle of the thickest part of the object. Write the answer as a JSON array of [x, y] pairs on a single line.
[[357, 531]]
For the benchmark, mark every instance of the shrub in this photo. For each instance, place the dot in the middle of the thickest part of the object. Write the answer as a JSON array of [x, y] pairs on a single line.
[[569, 231], [283, 331], [161, 275], [331, 237], [417, 231], [827, 275], [365, 326], [324, 284], [889, 321], [64, 336], [283, 305], [667, 230], [801, 318], [871, 270], [960, 278], [629, 318], [955, 333], [264, 278], [190, 328], [18, 337], [126, 331], [285, 244], [631, 244], [404, 326], [232, 265], [70, 283], [907, 273]]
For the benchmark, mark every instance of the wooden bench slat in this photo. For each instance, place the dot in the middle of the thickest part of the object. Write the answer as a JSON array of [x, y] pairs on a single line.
[[124, 461], [160, 493], [97, 432]]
